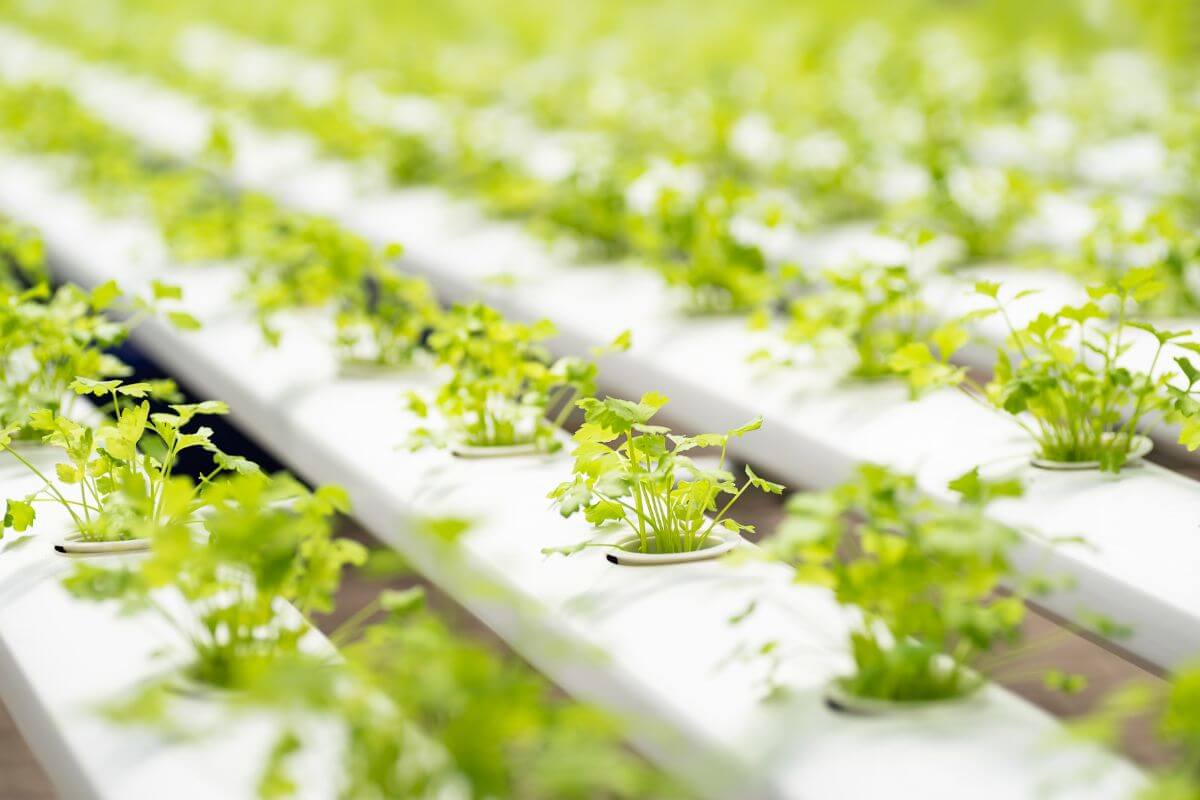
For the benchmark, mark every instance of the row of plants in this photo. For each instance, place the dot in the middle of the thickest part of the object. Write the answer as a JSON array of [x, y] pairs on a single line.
[[626, 470], [940, 611], [254, 551], [851, 76], [665, 209], [665, 520], [236, 563], [924, 578], [694, 215], [869, 320], [875, 310], [639, 476], [938, 656]]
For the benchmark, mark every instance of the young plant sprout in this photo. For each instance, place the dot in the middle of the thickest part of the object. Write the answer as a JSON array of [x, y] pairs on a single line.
[[384, 325], [636, 474], [922, 574], [301, 261], [686, 232], [264, 539], [864, 314], [49, 339], [1065, 382], [118, 478], [504, 384], [720, 273]]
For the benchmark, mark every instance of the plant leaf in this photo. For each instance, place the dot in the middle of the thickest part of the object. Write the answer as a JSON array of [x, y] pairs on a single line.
[[763, 485]]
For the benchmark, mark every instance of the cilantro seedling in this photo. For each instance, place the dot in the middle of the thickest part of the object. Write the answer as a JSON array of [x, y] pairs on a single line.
[[636, 474]]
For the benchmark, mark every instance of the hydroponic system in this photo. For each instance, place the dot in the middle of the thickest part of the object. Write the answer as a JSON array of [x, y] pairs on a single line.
[[600, 400]]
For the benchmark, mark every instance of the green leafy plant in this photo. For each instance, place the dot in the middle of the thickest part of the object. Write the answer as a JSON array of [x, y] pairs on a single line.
[[118, 477], [22, 256], [981, 206], [634, 473], [290, 260], [426, 711], [508, 735], [48, 339], [385, 324], [263, 539], [691, 242], [922, 574], [302, 261], [1163, 244], [503, 383], [862, 315], [1065, 382]]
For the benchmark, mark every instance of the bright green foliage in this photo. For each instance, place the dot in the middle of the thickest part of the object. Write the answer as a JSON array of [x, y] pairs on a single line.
[[923, 574], [50, 338], [385, 325], [690, 241], [1179, 728], [1174, 708], [863, 315], [980, 206], [118, 477], [275, 781], [1163, 244], [46, 340], [630, 471], [1065, 382], [292, 260], [301, 261], [880, 117], [201, 218], [263, 540], [503, 382], [22, 256], [505, 732], [1184, 408], [304, 265], [424, 711], [589, 206]]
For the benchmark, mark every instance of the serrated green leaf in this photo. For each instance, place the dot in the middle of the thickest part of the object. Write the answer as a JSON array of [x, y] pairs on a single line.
[[763, 485]]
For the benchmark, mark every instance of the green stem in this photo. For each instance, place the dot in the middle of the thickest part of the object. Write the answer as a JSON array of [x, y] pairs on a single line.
[[50, 486]]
